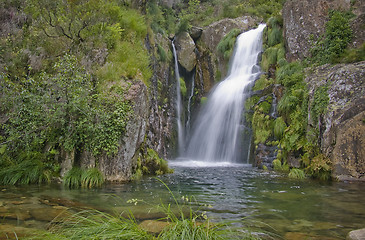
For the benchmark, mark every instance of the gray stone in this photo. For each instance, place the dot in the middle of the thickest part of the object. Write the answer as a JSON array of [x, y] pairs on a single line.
[[342, 127], [119, 166], [185, 48], [356, 235], [304, 22]]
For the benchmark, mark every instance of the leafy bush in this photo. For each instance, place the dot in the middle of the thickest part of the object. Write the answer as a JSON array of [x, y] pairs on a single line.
[[320, 167], [337, 36]]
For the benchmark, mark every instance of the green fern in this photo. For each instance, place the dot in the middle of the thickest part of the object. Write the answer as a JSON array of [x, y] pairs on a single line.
[[91, 178]]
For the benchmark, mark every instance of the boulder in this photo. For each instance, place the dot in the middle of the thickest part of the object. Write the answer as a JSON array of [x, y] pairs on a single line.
[[356, 235], [304, 22], [342, 127], [185, 48]]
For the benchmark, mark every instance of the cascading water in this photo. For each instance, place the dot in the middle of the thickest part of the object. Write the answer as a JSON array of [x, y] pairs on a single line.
[[180, 129], [218, 131]]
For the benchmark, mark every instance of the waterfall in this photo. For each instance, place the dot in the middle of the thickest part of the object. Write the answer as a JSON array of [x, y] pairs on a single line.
[[180, 128], [218, 131]]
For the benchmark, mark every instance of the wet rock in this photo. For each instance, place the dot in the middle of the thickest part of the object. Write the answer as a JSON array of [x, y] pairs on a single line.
[[153, 226], [15, 213], [8, 231], [195, 32], [356, 235], [185, 48], [49, 214], [264, 156], [304, 236]]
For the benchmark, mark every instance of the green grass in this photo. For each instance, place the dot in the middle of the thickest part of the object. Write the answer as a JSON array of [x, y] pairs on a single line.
[[296, 173], [30, 169], [89, 178]]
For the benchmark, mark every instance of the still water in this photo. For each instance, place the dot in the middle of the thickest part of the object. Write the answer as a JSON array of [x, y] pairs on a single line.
[[291, 209]]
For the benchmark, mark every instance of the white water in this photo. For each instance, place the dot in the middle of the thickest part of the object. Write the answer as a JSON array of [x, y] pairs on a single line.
[[218, 131], [180, 128]]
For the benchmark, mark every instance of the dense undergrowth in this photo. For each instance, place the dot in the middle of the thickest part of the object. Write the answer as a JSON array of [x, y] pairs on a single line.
[[65, 68]]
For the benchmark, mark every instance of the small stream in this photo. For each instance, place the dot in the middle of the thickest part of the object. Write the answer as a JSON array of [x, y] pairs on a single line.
[[291, 208]]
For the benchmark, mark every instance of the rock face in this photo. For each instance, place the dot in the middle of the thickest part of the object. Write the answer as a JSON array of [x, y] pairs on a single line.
[[119, 167], [185, 49], [342, 128], [306, 19]]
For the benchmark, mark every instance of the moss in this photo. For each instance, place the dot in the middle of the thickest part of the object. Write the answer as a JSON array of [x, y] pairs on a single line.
[[183, 88], [203, 100]]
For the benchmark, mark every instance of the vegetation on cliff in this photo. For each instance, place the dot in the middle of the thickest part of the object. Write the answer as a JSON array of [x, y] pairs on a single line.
[[295, 131], [65, 69]]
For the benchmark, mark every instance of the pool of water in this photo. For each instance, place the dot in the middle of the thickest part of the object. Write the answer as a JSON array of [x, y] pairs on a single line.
[[290, 209]]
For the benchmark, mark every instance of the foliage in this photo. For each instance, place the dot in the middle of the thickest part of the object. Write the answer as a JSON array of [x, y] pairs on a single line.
[[93, 224], [183, 87], [91, 178], [320, 102], [226, 45], [260, 8], [296, 173], [320, 167], [262, 83], [72, 178], [279, 128], [86, 178], [31, 168], [149, 163], [262, 122], [120, 64], [337, 36]]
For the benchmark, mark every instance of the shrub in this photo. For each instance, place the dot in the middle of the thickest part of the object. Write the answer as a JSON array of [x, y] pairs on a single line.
[[226, 45], [320, 167], [91, 178], [72, 178], [337, 36], [296, 173], [30, 169]]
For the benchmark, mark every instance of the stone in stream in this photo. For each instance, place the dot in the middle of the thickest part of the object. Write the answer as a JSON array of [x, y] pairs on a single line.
[[356, 235]]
